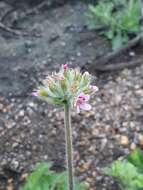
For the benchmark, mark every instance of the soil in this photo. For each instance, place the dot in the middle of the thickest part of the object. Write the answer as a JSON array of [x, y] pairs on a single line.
[[29, 128]]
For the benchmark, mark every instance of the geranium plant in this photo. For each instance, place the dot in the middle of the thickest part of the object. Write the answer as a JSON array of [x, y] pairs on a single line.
[[71, 89], [129, 171], [120, 20]]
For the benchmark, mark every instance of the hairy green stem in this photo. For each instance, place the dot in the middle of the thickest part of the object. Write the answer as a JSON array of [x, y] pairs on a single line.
[[69, 151]]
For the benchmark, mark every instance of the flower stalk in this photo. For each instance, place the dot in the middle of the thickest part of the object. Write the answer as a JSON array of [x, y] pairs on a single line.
[[69, 148], [72, 89]]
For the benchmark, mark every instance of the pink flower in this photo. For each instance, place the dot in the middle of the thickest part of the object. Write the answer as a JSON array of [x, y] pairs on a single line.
[[86, 73], [65, 66], [93, 88], [81, 102], [36, 93]]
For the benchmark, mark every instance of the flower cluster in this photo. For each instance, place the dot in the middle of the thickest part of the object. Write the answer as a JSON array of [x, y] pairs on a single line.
[[67, 86]]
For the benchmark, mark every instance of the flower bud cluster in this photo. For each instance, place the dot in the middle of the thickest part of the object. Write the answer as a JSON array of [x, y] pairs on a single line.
[[66, 86]]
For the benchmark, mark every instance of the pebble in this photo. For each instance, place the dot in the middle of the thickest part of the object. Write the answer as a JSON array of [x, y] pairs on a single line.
[[103, 144], [14, 145], [94, 174], [14, 164], [132, 53], [92, 149], [133, 146], [115, 119], [124, 140], [140, 138], [88, 179], [63, 44], [1, 107], [139, 92], [21, 113]]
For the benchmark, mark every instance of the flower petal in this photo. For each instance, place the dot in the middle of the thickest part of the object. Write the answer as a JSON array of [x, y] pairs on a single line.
[[87, 97], [81, 94], [35, 93], [85, 106], [78, 109], [94, 88]]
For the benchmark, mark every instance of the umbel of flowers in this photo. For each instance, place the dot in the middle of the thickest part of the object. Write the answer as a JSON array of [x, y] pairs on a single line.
[[71, 89]]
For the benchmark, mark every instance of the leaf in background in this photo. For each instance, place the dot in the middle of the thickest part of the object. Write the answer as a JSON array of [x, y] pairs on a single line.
[[117, 41], [136, 158], [110, 34], [127, 171], [42, 178], [120, 17]]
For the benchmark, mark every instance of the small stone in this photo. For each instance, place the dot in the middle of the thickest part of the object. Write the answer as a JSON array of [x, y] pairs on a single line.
[[21, 113], [83, 143], [1, 107], [26, 121], [103, 144], [94, 174], [31, 104], [140, 138], [45, 157], [10, 125], [14, 164], [118, 99], [124, 140], [76, 156], [132, 53], [14, 145], [88, 179], [80, 169], [23, 176], [133, 146], [29, 44], [63, 44], [139, 92], [10, 180], [92, 149], [78, 54], [87, 164]]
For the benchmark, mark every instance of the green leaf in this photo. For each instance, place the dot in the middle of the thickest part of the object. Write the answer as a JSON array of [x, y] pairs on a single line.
[[117, 42], [128, 171], [110, 34], [120, 18], [42, 178], [136, 158]]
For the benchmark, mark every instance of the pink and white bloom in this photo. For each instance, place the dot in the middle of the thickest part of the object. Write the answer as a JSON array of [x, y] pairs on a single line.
[[65, 66], [36, 93], [93, 88], [65, 86], [82, 102]]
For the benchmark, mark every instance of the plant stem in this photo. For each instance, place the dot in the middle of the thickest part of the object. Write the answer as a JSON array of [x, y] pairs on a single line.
[[69, 152]]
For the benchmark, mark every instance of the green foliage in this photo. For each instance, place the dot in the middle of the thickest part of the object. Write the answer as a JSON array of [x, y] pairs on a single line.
[[136, 158], [129, 171], [42, 178], [121, 19]]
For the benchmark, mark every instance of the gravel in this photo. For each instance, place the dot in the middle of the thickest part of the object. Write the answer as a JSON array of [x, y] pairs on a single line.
[[29, 129]]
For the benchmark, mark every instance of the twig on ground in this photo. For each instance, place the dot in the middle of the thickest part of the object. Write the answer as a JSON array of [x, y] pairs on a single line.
[[118, 66], [105, 59], [28, 12], [4, 17], [35, 9], [17, 32]]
